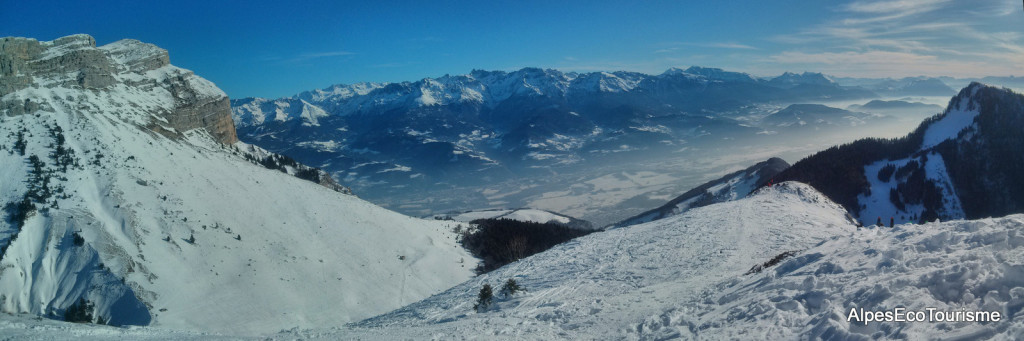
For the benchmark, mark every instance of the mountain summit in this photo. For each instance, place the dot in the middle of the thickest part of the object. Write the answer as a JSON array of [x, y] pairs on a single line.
[[176, 99]]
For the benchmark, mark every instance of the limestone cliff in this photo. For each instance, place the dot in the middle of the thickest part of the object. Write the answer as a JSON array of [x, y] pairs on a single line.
[[181, 101]]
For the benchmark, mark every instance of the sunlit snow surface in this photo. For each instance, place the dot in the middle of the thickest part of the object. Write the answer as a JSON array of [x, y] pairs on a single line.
[[522, 214], [956, 119], [684, 277], [307, 256]]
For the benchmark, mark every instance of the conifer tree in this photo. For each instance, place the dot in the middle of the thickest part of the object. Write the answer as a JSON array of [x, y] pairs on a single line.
[[80, 311], [484, 298], [510, 288]]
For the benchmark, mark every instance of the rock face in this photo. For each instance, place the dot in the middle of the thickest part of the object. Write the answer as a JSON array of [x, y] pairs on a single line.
[[127, 67]]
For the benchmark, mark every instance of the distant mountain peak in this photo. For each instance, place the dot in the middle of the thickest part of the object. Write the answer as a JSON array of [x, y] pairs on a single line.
[[674, 71], [719, 74], [790, 79]]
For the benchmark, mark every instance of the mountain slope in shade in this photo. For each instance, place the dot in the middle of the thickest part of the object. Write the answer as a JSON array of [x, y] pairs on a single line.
[[894, 105], [961, 163], [122, 187], [732, 186], [814, 115]]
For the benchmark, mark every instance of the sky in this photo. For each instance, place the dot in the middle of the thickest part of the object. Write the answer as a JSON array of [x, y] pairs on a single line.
[[277, 49]]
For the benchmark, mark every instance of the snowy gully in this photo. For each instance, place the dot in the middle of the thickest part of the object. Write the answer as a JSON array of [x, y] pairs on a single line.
[[928, 315]]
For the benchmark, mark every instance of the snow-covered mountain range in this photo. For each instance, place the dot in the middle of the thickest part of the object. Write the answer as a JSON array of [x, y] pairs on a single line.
[[391, 140], [123, 185]]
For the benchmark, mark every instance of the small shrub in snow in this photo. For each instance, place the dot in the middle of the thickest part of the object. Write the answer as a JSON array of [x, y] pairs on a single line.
[[20, 144], [510, 288], [771, 262], [484, 298]]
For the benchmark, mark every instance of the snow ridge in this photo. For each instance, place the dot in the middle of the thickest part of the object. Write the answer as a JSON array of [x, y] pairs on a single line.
[[487, 88]]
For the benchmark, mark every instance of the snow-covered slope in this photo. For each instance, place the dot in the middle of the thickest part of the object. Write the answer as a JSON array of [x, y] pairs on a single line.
[[732, 186], [519, 214], [133, 201], [688, 277], [791, 79], [951, 267], [605, 285]]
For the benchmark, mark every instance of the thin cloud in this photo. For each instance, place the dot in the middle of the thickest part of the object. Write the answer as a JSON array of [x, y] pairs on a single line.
[[903, 38], [393, 65], [325, 54], [733, 46], [898, 6], [316, 55], [677, 46], [896, 64], [837, 58]]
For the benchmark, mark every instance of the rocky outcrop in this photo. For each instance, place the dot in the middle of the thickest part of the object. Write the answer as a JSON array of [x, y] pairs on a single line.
[[124, 68]]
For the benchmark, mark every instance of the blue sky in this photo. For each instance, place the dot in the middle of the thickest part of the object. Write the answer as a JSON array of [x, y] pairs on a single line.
[[275, 49]]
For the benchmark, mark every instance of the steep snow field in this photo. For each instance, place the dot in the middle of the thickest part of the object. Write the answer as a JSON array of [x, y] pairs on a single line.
[[183, 232], [956, 120], [879, 205]]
